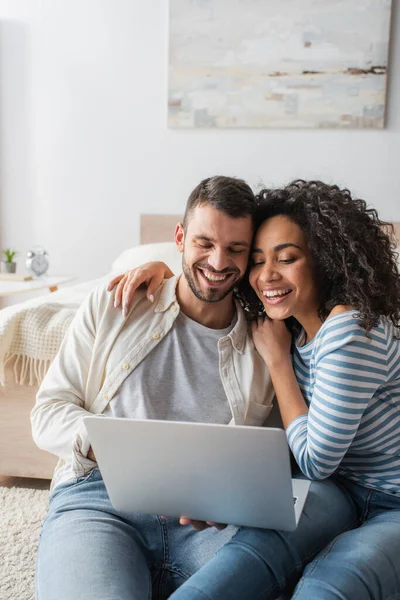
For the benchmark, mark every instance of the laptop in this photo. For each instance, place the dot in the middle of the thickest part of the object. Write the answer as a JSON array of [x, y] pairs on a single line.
[[225, 474]]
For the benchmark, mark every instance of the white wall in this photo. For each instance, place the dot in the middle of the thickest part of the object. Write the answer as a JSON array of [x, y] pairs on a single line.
[[84, 147]]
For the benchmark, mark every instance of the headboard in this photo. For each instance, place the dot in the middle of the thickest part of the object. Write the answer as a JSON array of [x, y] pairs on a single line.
[[160, 228]]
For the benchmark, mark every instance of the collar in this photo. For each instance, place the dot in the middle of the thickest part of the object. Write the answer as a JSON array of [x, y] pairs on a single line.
[[168, 297], [239, 333]]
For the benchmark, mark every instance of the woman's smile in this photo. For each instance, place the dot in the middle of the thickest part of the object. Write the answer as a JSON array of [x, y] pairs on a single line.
[[282, 274]]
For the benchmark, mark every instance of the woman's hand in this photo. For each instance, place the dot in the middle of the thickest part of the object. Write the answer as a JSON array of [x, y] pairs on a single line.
[[272, 340], [151, 274]]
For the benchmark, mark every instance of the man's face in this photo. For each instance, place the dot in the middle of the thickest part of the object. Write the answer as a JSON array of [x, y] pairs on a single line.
[[215, 251]]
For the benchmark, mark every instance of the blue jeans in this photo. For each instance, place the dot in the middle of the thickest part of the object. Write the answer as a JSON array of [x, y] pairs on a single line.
[[362, 562], [90, 551]]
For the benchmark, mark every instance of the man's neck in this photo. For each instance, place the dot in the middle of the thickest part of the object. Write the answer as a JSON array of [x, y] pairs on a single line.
[[215, 315]]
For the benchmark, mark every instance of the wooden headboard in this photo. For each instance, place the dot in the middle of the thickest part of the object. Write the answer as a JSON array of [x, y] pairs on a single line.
[[158, 228], [161, 228]]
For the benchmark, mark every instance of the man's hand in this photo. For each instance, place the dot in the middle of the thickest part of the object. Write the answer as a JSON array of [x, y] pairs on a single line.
[[201, 525], [91, 455]]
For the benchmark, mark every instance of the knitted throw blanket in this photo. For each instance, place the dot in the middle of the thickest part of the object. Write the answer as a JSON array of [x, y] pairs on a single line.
[[32, 335], [31, 332]]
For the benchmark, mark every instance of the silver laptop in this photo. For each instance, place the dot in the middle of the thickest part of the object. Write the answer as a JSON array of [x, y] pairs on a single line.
[[220, 473]]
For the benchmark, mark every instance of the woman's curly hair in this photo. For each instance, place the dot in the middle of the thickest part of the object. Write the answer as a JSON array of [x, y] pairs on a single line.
[[352, 249]]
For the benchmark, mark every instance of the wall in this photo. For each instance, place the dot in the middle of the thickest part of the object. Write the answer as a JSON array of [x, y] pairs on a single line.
[[84, 147]]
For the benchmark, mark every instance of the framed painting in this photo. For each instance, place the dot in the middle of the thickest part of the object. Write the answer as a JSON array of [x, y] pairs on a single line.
[[281, 63]]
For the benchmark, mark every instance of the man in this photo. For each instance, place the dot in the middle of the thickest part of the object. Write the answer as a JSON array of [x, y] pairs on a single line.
[[188, 357]]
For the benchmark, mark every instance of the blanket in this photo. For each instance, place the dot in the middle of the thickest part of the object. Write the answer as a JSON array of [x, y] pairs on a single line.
[[31, 332]]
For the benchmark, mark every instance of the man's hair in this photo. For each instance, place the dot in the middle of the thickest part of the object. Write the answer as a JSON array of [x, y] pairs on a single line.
[[229, 195]]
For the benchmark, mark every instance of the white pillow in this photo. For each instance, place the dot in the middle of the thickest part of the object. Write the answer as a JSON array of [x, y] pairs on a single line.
[[133, 257]]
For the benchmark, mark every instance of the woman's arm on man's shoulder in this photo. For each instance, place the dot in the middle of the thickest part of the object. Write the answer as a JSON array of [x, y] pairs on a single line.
[[150, 274]]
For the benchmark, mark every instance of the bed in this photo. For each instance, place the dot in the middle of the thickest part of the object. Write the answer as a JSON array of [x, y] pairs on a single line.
[[30, 334]]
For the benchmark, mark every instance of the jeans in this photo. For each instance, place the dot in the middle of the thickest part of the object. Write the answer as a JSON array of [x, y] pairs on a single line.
[[362, 562], [90, 551]]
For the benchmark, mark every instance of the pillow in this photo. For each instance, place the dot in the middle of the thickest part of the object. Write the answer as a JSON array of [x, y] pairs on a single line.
[[133, 257]]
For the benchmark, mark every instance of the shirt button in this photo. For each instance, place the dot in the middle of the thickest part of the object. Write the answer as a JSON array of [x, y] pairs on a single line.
[[105, 396], [174, 308], [126, 367], [156, 336]]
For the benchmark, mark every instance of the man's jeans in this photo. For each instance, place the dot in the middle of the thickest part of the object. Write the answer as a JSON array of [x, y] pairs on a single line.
[[360, 564], [90, 551]]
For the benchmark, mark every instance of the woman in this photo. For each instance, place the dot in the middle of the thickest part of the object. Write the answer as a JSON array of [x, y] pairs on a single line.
[[323, 275]]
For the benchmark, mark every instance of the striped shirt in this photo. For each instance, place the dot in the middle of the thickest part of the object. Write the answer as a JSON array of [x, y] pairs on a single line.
[[351, 383]]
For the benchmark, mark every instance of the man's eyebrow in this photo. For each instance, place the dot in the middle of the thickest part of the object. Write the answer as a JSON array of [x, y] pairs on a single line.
[[277, 248], [212, 240]]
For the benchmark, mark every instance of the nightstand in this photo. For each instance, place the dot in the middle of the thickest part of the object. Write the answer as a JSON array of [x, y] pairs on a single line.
[[11, 288]]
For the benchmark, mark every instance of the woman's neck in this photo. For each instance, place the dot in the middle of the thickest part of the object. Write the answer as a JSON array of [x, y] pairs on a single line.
[[311, 323]]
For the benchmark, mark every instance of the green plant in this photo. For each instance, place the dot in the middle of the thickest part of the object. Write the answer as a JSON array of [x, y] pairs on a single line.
[[10, 254]]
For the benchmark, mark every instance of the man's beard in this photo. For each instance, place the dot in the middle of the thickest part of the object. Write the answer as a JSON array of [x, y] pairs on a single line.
[[212, 295]]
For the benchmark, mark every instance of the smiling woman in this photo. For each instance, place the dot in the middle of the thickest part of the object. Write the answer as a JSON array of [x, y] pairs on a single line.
[[325, 264], [327, 261], [282, 273], [344, 251]]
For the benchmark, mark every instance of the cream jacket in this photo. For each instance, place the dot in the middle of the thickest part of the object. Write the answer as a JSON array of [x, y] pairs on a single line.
[[101, 348]]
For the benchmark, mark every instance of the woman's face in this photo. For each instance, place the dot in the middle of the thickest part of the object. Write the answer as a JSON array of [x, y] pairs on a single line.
[[282, 274]]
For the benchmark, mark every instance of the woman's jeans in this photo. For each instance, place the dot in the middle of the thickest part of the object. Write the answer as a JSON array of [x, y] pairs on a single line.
[[90, 551], [362, 563]]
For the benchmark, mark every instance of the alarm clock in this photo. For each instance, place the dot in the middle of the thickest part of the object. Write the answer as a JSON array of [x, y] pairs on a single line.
[[37, 262]]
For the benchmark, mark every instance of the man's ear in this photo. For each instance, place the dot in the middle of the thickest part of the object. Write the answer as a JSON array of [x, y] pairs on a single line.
[[179, 237]]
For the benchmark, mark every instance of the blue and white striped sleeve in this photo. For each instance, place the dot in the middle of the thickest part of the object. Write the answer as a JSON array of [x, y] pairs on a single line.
[[349, 368]]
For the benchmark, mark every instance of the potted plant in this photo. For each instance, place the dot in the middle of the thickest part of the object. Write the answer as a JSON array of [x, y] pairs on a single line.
[[8, 265]]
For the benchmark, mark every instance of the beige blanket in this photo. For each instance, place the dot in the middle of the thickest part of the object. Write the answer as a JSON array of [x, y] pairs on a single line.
[[32, 331]]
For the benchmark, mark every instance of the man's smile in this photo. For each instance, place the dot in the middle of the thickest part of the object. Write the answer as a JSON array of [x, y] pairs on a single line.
[[212, 278]]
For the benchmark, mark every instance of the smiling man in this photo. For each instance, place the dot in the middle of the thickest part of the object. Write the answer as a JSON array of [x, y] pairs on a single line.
[[215, 240], [187, 356], [215, 252]]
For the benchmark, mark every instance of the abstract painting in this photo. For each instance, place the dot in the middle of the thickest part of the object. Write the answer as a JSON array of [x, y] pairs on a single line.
[[278, 63]]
